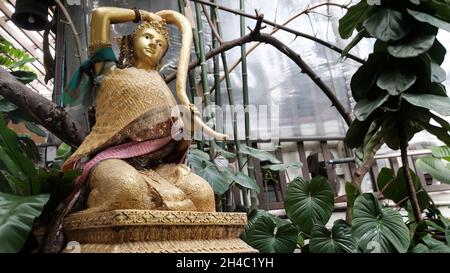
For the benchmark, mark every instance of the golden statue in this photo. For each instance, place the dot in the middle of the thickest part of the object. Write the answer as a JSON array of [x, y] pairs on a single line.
[[142, 197], [131, 158]]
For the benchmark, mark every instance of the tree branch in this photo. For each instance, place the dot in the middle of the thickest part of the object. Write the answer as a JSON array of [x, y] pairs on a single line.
[[256, 35], [296, 33], [274, 30], [53, 117]]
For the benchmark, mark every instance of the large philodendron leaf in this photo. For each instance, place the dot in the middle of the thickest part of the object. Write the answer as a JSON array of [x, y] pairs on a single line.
[[440, 104], [309, 202], [377, 228], [259, 154], [339, 240], [253, 216], [413, 47], [426, 18], [387, 25], [215, 178], [430, 245], [441, 152], [269, 235], [246, 181], [396, 81], [355, 15], [17, 214], [435, 167]]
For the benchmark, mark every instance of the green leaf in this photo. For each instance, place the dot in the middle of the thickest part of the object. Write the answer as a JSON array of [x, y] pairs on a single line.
[[440, 7], [395, 187], [282, 167], [441, 152], [447, 234], [355, 15], [365, 107], [395, 81], [258, 154], [339, 240], [252, 218], [352, 193], [357, 132], [437, 52], [372, 138], [17, 214], [270, 236], [221, 152], [8, 139], [309, 202], [366, 75], [438, 74], [387, 24], [431, 245], [6, 106], [22, 62], [63, 151], [196, 159], [413, 46], [378, 229], [23, 76], [35, 129], [9, 163], [437, 89], [439, 104], [28, 146], [246, 181], [354, 42], [215, 178], [435, 167], [426, 18]]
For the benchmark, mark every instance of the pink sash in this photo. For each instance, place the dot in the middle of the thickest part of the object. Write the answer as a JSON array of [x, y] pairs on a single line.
[[122, 151]]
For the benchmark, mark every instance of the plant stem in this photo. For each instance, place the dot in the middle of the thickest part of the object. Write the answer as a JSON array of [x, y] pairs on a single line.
[[217, 95], [245, 96], [406, 171]]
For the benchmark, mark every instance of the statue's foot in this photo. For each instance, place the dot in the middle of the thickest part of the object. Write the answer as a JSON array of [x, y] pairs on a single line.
[[193, 186]]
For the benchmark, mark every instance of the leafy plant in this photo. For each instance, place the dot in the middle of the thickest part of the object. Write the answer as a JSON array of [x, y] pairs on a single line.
[[309, 205], [27, 192], [16, 61], [438, 165], [221, 178], [399, 87]]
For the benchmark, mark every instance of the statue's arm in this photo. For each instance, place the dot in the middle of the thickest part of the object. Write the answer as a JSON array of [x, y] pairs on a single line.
[[182, 23]]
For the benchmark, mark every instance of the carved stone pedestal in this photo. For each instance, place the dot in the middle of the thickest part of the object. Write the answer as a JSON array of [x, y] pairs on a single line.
[[155, 231]]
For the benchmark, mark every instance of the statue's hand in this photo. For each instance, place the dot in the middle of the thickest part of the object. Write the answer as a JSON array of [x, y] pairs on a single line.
[[150, 16], [194, 109]]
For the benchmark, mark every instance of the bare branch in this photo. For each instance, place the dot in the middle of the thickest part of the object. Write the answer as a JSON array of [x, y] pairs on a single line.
[[212, 26], [297, 33], [255, 35], [54, 118]]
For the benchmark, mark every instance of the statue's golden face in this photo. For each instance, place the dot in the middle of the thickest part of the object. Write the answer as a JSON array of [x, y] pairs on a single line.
[[149, 48]]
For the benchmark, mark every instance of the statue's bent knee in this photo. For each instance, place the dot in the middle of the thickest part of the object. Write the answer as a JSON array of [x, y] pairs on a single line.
[[115, 184]]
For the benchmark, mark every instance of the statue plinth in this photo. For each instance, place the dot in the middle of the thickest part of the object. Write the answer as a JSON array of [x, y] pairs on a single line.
[[156, 231]]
